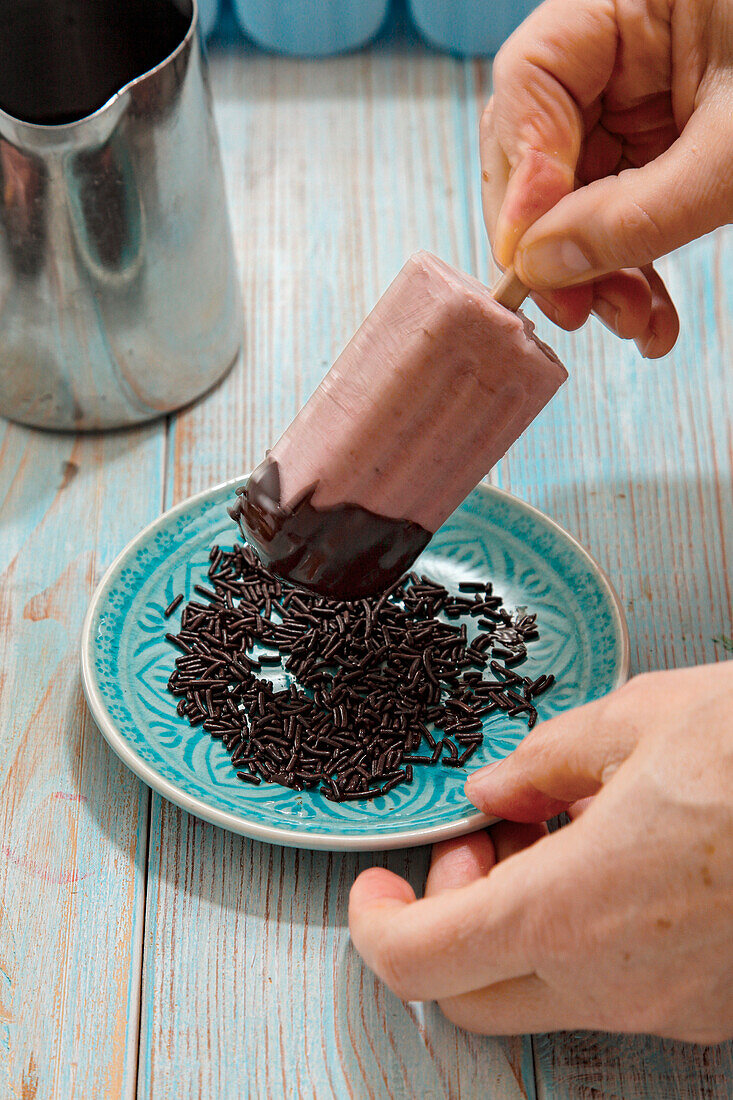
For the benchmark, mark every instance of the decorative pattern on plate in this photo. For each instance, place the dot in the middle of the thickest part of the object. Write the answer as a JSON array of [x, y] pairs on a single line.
[[126, 664]]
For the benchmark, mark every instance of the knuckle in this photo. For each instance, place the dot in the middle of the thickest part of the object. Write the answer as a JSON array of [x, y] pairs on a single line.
[[513, 74], [635, 228], [627, 698], [486, 122], [503, 66], [643, 680], [632, 690]]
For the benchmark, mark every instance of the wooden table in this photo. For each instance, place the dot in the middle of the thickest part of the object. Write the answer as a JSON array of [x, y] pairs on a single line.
[[143, 952]]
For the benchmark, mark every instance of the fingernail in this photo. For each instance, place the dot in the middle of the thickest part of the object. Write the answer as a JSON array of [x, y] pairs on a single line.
[[506, 235], [477, 776], [607, 314], [551, 262]]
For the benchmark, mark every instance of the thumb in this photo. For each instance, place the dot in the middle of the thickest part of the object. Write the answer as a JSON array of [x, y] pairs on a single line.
[[633, 218], [563, 760]]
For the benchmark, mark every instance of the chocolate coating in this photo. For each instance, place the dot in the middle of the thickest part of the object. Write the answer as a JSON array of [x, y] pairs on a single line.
[[345, 551]]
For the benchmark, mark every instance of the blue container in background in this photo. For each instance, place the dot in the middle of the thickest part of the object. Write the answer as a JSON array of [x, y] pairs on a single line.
[[208, 15], [316, 28], [311, 28], [469, 27]]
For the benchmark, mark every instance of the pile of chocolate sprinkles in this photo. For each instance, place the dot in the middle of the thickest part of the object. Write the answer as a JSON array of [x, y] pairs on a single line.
[[379, 686]]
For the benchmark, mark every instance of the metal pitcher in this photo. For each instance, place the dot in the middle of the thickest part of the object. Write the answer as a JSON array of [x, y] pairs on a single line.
[[118, 292]]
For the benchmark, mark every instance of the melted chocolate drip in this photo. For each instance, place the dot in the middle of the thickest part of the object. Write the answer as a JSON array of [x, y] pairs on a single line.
[[345, 551]]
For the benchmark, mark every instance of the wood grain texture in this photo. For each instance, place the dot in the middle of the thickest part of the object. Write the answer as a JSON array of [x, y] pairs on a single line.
[[240, 965], [248, 971], [74, 820]]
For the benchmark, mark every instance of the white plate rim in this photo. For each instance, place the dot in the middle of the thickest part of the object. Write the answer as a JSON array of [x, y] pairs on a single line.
[[364, 842]]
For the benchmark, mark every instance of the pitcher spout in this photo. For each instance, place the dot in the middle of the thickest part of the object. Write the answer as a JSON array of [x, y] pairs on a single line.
[[68, 68], [119, 298]]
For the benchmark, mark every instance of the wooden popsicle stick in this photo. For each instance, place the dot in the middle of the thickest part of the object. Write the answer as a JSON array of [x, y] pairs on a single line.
[[508, 291]]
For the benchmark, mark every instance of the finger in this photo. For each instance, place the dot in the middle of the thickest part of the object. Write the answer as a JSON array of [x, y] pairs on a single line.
[[641, 149], [576, 809], [569, 308], [463, 938], [644, 117], [623, 302], [460, 861], [378, 886], [510, 837], [631, 304], [464, 859], [663, 326], [599, 156], [495, 170], [535, 185], [516, 1007], [630, 219], [513, 196], [561, 761], [543, 87]]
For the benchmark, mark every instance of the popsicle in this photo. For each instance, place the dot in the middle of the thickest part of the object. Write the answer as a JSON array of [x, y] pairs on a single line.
[[430, 393]]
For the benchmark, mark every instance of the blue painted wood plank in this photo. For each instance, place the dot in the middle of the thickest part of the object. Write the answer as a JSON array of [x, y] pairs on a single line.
[[634, 457], [74, 820], [596, 1066], [249, 976], [336, 173]]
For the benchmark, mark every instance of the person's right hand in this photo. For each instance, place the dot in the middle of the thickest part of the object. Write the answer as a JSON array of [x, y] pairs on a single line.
[[608, 143]]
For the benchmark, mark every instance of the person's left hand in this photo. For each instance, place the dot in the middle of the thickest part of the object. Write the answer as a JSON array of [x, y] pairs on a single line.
[[621, 921]]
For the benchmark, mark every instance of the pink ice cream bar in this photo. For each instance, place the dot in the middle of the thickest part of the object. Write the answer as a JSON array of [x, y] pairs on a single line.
[[430, 393]]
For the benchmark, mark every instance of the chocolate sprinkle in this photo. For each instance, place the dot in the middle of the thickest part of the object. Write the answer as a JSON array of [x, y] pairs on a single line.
[[367, 677], [173, 605]]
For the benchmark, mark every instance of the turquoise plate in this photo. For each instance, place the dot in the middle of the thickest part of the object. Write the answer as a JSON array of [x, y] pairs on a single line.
[[126, 663]]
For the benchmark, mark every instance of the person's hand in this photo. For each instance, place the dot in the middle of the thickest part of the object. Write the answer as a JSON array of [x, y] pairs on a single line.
[[622, 920], [608, 143]]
